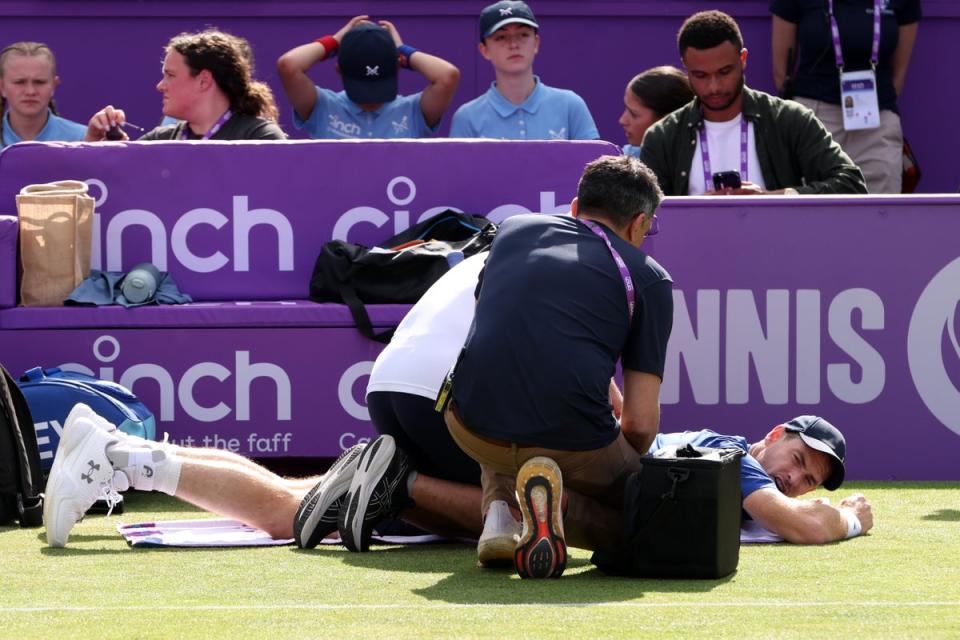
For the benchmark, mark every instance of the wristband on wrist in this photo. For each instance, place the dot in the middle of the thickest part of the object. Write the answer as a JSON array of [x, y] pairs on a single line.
[[854, 527], [330, 45], [405, 51]]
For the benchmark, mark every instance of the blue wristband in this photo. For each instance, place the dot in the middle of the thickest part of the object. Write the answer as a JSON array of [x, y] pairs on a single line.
[[406, 51]]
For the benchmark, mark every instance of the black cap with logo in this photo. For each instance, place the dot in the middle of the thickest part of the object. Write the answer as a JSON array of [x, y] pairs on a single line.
[[819, 434], [503, 13], [368, 64]]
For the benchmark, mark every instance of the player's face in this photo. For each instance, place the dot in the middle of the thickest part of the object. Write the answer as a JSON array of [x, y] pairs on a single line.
[[716, 77], [511, 48], [795, 468]]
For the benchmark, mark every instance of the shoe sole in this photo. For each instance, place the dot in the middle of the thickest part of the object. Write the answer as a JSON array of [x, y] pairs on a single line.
[[542, 551], [355, 531], [323, 498], [59, 487]]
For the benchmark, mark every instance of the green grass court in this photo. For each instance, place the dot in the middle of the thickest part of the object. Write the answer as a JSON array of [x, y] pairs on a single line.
[[901, 581]]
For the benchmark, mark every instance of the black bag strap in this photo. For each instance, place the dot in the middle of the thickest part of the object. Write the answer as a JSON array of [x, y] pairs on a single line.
[[446, 225], [29, 481], [668, 502], [359, 312]]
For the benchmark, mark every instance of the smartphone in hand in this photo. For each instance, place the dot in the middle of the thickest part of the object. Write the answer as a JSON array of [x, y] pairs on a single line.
[[726, 180]]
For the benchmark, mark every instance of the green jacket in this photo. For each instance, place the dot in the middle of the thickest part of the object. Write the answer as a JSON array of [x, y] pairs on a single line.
[[793, 148]]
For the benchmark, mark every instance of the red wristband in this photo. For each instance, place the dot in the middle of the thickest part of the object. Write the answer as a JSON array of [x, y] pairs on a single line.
[[330, 45]]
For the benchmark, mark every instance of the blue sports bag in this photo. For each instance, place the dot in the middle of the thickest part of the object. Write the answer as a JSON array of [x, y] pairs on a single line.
[[52, 393]]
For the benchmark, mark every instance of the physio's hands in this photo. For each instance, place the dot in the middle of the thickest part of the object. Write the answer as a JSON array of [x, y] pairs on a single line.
[[616, 399], [859, 505]]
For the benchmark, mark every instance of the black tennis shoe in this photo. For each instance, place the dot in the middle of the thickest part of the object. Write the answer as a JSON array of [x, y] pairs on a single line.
[[317, 516], [378, 492]]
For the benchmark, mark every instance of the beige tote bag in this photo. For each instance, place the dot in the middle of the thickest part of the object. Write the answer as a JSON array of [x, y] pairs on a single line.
[[56, 233]]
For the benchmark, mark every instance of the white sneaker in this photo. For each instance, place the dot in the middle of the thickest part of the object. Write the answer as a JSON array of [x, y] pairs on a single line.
[[501, 533], [80, 475], [81, 410]]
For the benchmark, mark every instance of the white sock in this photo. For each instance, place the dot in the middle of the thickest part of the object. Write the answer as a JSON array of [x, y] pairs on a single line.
[[147, 467], [411, 478]]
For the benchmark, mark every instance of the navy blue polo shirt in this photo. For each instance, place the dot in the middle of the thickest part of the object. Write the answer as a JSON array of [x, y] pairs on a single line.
[[551, 322]]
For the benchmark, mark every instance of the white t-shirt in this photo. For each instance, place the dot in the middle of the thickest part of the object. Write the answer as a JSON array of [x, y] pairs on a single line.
[[429, 338], [723, 140]]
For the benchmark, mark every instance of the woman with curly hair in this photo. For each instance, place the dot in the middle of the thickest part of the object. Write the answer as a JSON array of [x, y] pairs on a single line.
[[207, 84]]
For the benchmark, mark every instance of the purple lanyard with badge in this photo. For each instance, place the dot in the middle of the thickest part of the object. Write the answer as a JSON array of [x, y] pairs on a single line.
[[835, 32], [859, 103], [213, 130], [621, 266], [705, 152]]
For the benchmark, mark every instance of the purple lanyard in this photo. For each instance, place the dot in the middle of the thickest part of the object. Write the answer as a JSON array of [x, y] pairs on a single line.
[[835, 31], [213, 130], [705, 153], [621, 266]]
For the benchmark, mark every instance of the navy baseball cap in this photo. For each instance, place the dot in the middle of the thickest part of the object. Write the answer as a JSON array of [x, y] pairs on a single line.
[[368, 64], [503, 13], [819, 434]]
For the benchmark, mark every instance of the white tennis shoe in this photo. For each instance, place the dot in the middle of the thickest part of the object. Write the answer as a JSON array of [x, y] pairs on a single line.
[[81, 474], [501, 533]]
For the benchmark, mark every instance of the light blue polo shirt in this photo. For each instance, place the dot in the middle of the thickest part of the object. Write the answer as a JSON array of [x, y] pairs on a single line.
[[337, 117], [56, 129], [547, 114], [631, 150]]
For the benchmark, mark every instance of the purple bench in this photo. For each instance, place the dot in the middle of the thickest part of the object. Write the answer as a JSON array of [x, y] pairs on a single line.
[[252, 364]]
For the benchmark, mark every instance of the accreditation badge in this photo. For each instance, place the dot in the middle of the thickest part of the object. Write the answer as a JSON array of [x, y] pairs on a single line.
[[858, 100]]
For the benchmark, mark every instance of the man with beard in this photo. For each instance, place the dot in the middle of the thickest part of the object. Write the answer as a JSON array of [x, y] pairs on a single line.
[[776, 146]]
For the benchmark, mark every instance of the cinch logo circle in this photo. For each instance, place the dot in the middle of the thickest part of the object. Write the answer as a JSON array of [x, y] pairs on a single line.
[[934, 319]]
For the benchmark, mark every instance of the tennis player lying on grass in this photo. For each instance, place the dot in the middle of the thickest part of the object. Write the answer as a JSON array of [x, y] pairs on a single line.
[[433, 487], [94, 458]]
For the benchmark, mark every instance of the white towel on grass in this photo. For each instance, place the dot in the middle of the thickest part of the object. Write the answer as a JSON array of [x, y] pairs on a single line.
[[232, 533]]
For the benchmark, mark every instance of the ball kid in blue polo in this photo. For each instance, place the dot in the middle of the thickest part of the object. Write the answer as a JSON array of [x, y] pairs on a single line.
[[370, 58], [518, 106]]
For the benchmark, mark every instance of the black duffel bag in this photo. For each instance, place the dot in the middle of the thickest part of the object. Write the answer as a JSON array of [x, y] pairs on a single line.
[[399, 272], [681, 516], [21, 480]]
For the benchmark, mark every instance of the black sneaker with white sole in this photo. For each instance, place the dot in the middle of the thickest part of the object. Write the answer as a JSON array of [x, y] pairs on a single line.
[[378, 492], [316, 517]]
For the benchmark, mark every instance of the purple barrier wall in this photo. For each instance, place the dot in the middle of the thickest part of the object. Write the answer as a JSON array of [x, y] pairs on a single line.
[[825, 306], [110, 52], [234, 220], [782, 308]]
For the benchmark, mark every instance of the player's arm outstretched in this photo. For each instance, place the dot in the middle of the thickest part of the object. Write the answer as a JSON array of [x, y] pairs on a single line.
[[809, 521]]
